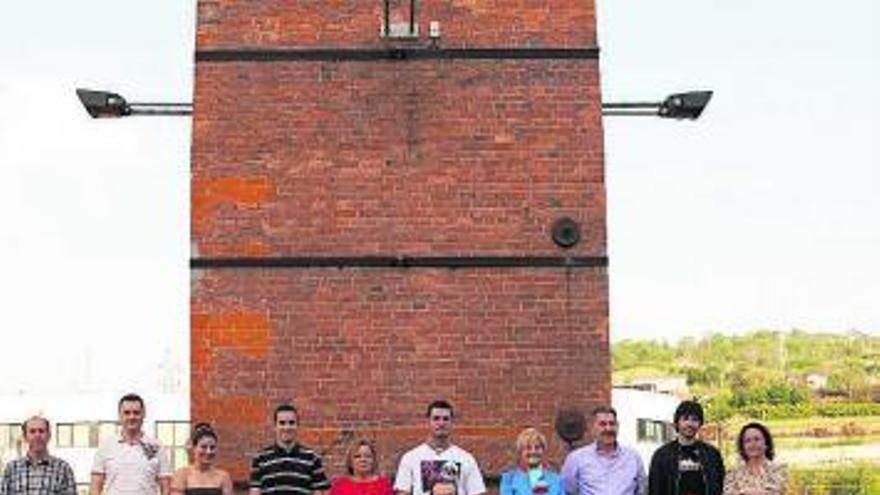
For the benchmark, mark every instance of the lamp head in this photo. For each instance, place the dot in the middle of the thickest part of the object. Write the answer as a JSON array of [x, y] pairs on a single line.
[[103, 104], [685, 105]]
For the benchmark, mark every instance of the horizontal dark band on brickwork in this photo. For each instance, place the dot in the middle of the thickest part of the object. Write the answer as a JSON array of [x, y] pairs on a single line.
[[250, 54], [402, 262]]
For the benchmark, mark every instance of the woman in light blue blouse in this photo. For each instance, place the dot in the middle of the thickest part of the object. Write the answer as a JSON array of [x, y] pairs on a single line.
[[532, 476]]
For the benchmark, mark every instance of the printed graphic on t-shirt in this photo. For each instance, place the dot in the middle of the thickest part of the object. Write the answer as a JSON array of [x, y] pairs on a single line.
[[440, 473], [690, 472], [687, 465]]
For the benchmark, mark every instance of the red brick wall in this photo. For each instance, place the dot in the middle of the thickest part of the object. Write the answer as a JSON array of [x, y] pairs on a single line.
[[481, 23], [394, 158]]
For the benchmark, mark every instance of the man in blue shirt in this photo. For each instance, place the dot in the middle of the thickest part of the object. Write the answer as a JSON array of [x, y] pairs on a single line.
[[604, 467]]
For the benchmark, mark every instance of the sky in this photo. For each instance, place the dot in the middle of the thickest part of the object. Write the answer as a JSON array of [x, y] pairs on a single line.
[[762, 214]]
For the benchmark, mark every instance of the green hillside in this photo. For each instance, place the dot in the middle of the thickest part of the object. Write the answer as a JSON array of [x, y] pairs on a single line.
[[765, 373]]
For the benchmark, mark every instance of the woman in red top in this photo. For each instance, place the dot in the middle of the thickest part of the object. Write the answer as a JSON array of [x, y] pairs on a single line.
[[362, 463]]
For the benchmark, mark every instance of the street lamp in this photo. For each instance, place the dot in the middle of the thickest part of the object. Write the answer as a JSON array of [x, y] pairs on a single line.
[[677, 106], [104, 104]]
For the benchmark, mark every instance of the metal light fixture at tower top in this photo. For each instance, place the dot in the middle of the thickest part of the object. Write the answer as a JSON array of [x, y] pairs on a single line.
[[104, 104], [679, 106], [689, 106]]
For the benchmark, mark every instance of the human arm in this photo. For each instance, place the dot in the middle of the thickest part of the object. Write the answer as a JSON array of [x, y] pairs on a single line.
[[320, 482], [164, 485], [730, 484], [472, 478], [777, 482], [96, 486], [570, 474], [403, 478], [68, 481], [165, 471], [783, 480], [641, 477], [178, 481], [6, 484], [226, 484], [506, 485], [718, 462], [256, 477], [656, 476], [99, 471]]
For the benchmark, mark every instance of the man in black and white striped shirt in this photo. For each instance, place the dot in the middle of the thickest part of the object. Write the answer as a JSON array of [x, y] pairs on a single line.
[[287, 467]]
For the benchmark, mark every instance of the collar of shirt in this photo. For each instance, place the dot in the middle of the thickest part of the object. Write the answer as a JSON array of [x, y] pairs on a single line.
[[283, 448], [140, 439], [601, 453], [39, 462]]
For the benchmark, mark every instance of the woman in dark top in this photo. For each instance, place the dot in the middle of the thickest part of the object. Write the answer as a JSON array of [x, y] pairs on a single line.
[[201, 477], [363, 478]]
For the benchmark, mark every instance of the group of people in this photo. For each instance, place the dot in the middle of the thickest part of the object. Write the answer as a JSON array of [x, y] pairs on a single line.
[[683, 466], [134, 463]]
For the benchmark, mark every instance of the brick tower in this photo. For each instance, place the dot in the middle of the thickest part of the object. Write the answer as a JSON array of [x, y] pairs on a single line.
[[375, 187]]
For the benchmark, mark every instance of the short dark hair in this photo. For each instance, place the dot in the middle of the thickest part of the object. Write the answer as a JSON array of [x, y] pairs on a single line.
[[603, 409], [285, 407], [439, 404], [688, 408], [44, 420], [130, 398], [768, 440], [200, 431]]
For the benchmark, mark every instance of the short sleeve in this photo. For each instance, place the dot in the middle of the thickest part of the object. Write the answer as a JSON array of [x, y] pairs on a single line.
[[506, 486], [473, 479], [319, 477], [256, 473], [99, 466], [165, 462], [403, 479], [69, 480]]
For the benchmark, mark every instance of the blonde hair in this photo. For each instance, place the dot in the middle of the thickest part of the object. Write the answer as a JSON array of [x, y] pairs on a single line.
[[530, 435], [349, 455]]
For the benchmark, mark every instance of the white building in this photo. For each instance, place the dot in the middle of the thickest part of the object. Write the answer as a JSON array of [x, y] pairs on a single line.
[[644, 419], [80, 420]]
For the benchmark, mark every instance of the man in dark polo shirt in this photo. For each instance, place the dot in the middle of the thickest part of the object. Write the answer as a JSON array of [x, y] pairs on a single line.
[[287, 467]]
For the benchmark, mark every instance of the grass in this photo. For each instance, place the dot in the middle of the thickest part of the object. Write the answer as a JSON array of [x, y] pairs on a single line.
[[858, 479], [818, 442], [870, 424]]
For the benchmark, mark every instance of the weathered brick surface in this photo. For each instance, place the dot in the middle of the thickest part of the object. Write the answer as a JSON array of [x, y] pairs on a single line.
[[345, 23], [365, 350], [474, 157], [395, 158]]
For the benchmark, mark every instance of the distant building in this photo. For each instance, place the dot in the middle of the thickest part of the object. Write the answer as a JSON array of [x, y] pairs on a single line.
[[674, 385], [80, 421], [644, 419], [816, 381]]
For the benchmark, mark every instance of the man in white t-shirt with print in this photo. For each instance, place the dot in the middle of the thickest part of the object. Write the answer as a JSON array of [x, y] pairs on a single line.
[[437, 467], [132, 463]]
